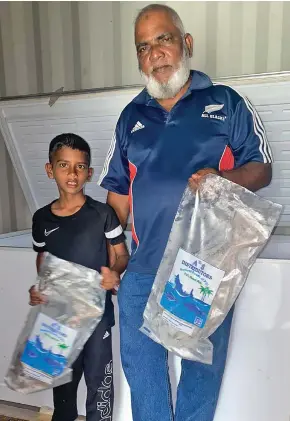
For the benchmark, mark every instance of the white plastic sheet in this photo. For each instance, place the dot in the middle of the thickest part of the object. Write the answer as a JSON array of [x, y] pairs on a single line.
[[55, 333], [215, 238]]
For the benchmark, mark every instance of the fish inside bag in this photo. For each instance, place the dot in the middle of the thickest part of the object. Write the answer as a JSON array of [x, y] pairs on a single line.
[[55, 332], [215, 238]]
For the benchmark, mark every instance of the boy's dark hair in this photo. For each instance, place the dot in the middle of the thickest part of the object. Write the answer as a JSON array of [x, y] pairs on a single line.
[[72, 141]]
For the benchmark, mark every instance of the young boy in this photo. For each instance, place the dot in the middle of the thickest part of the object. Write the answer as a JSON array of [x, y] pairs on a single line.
[[76, 228]]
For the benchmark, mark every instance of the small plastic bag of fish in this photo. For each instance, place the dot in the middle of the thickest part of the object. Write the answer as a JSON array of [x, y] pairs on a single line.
[[215, 238], [56, 332]]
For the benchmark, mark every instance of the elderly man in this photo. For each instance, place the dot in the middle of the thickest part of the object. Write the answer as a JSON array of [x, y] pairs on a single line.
[[179, 128]]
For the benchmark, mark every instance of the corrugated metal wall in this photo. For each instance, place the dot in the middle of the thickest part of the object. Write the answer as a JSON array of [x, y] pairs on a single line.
[[79, 45], [14, 212], [82, 45]]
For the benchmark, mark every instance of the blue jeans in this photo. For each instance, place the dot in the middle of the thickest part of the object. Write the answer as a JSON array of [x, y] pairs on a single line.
[[146, 366]]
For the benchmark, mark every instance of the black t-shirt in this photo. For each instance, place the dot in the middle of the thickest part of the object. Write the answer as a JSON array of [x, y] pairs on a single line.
[[79, 238]]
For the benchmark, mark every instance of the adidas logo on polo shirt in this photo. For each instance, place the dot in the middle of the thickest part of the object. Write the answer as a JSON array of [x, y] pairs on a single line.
[[138, 126]]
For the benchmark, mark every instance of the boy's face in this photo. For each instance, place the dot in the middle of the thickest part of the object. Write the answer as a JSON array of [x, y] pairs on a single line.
[[70, 170]]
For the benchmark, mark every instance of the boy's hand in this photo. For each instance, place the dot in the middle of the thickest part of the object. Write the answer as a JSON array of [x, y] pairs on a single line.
[[36, 297], [110, 280]]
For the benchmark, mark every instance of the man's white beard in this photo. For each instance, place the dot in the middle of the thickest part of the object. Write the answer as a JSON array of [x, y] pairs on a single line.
[[170, 88]]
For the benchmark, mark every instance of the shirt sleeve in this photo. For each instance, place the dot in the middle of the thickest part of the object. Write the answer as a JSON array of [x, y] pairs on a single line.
[[115, 176], [38, 238], [248, 138], [113, 229]]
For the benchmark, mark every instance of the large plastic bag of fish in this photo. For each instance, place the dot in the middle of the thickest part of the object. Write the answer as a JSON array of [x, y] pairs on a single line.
[[215, 238], [55, 332]]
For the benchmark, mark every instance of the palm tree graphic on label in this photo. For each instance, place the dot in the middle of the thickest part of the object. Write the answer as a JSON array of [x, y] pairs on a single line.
[[205, 291], [62, 347]]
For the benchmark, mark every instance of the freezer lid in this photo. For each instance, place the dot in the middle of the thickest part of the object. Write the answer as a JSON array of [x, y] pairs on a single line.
[[28, 125]]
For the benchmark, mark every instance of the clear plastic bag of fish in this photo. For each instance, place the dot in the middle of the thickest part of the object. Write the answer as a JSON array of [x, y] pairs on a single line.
[[56, 332], [215, 238]]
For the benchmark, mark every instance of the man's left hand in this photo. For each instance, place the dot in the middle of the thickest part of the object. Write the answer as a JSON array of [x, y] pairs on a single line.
[[195, 179]]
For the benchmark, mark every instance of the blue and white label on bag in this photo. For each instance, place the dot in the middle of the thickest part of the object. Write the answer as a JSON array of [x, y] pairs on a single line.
[[189, 292], [47, 349]]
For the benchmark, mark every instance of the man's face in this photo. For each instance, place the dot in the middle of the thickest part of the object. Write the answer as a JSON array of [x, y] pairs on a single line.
[[159, 45], [163, 54]]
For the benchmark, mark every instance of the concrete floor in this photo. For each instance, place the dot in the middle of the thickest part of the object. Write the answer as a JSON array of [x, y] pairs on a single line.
[[31, 414], [22, 413]]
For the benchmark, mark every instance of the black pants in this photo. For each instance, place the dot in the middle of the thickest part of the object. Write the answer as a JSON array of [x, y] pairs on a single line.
[[95, 362]]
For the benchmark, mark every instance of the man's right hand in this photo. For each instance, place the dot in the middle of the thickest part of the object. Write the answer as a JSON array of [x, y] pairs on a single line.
[[36, 298], [196, 178]]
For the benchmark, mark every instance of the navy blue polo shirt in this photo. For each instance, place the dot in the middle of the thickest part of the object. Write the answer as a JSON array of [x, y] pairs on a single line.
[[154, 152]]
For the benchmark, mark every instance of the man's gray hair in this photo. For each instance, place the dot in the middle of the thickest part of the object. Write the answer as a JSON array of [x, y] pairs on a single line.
[[162, 7]]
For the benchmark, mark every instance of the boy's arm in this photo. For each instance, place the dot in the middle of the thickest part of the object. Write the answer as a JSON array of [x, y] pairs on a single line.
[[120, 203], [39, 260], [36, 297], [122, 258], [39, 246], [111, 276], [118, 260]]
